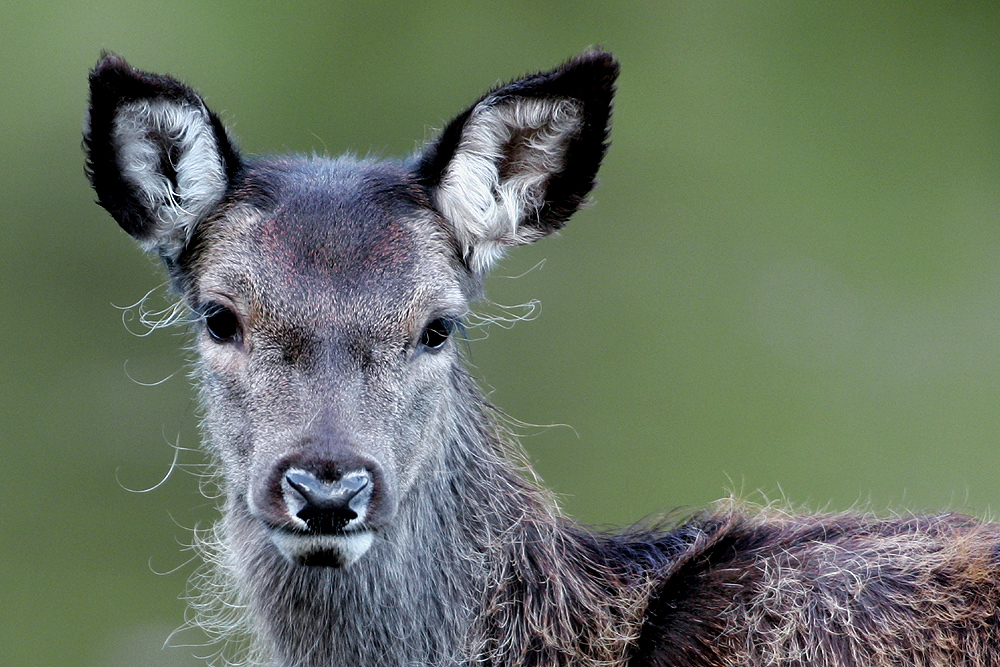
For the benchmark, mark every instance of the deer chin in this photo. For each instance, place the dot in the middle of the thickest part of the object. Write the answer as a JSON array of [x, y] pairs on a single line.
[[337, 551]]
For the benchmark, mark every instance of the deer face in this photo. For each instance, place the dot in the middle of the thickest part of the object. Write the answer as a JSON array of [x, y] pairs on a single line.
[[325, 320], [325, 293]]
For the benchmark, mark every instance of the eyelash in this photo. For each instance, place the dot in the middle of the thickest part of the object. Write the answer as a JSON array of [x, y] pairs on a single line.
[[436, 334], [222, 324]]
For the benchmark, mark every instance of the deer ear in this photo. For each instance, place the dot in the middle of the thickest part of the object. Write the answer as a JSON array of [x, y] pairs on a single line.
[[158, 158], [519, 162]]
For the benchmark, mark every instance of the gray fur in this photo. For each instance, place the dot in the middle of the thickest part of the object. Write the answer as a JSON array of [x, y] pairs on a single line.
[[324, 296]]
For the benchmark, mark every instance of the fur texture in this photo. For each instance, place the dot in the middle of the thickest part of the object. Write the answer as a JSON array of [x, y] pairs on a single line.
[[157, 157], [488, 209], [325, 297], [181, 190]]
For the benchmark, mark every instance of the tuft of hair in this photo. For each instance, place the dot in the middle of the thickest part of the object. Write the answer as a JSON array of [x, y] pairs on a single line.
[[158, 158], [520, 161]]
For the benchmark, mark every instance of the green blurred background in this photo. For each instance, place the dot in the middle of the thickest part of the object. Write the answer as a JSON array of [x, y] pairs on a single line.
[[789, 282]]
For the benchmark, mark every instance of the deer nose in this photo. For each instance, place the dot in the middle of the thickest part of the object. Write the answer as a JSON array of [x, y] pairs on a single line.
[[327, 506]]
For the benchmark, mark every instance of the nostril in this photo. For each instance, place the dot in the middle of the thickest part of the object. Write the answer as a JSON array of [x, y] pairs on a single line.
[[326, 506]]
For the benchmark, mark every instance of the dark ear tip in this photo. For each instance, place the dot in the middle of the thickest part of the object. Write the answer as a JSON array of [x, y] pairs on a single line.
[[598, 57], [599, 64], [110, 65]]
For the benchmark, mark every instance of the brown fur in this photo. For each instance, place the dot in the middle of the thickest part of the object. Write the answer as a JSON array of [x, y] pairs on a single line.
[[375, 513], [771, 588]]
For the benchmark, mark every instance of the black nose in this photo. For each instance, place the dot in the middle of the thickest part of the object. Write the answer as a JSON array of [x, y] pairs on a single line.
[[327, 506]]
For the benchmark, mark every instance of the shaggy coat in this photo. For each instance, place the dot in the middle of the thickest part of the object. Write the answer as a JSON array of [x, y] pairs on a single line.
[[376, 513]]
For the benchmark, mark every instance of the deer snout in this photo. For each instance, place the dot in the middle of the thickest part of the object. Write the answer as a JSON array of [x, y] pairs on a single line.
[[323, 504], [327, 506]]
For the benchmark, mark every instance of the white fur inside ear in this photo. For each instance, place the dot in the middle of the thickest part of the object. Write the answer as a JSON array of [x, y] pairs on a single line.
[[151, 134], [497, 176]]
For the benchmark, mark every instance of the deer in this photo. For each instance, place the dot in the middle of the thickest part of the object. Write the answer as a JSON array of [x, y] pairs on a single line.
[[375, 510]]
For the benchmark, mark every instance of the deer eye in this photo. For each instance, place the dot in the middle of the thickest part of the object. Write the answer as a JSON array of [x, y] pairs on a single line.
[[436, 334], [222, 324]]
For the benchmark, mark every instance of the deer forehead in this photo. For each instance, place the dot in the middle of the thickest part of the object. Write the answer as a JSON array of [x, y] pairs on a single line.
[[329, 241]]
